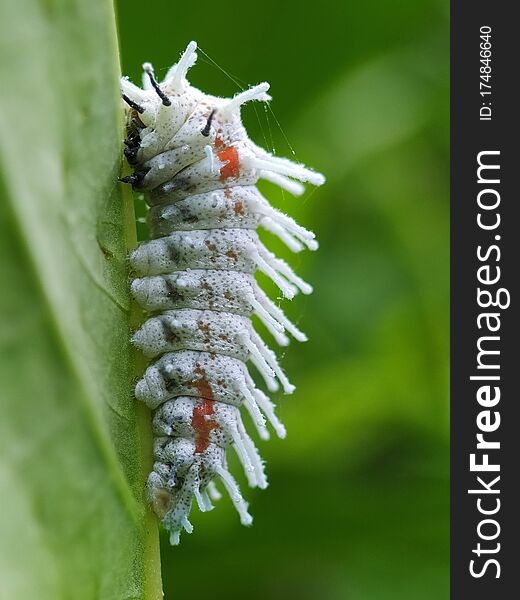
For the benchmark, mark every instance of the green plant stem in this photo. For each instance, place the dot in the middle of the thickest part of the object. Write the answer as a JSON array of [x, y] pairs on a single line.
[[151, 555]]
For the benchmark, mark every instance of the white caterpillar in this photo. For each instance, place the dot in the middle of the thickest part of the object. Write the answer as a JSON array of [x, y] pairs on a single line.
[[198, 170]]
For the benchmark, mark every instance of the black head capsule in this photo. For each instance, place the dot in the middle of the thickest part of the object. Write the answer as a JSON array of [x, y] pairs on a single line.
[[207, 127], [148, 69]]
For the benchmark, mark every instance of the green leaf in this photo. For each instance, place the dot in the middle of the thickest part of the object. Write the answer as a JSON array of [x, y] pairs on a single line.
[[74, 447]]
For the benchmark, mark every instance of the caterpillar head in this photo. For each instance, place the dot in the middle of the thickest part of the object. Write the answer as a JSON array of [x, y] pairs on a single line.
[[185, 126]]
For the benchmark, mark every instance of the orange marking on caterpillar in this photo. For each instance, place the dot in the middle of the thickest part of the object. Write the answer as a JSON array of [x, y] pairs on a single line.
[[232, 167], [202, 425]]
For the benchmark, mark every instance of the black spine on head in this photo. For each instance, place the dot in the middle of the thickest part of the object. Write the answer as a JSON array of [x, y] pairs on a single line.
[[133, 104], [207, 127], [165, 100]]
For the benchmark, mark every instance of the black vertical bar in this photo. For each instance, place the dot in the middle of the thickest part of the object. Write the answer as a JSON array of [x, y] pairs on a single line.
[[471, 135]]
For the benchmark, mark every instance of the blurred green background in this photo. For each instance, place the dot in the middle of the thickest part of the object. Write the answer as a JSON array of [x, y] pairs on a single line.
[[358, 503]]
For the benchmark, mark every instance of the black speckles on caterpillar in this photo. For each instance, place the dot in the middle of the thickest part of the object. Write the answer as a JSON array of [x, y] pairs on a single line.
[[198, 169]]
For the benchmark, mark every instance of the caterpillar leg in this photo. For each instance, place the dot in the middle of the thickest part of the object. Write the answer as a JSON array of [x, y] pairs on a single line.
[[291, 242], [235, 495], [268, 407], [213, 492], [252, 408], [277, 313], [287, 289], [254, 456], [244, 457], [293, 187], [281, 267], [205, 498], [270, 358], [273, 326], [258, 359]]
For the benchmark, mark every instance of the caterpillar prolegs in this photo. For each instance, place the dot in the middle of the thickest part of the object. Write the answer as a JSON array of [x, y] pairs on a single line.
[[197, 167]]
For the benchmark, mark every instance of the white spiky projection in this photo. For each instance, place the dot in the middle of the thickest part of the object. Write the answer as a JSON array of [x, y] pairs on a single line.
[[198, 169]]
